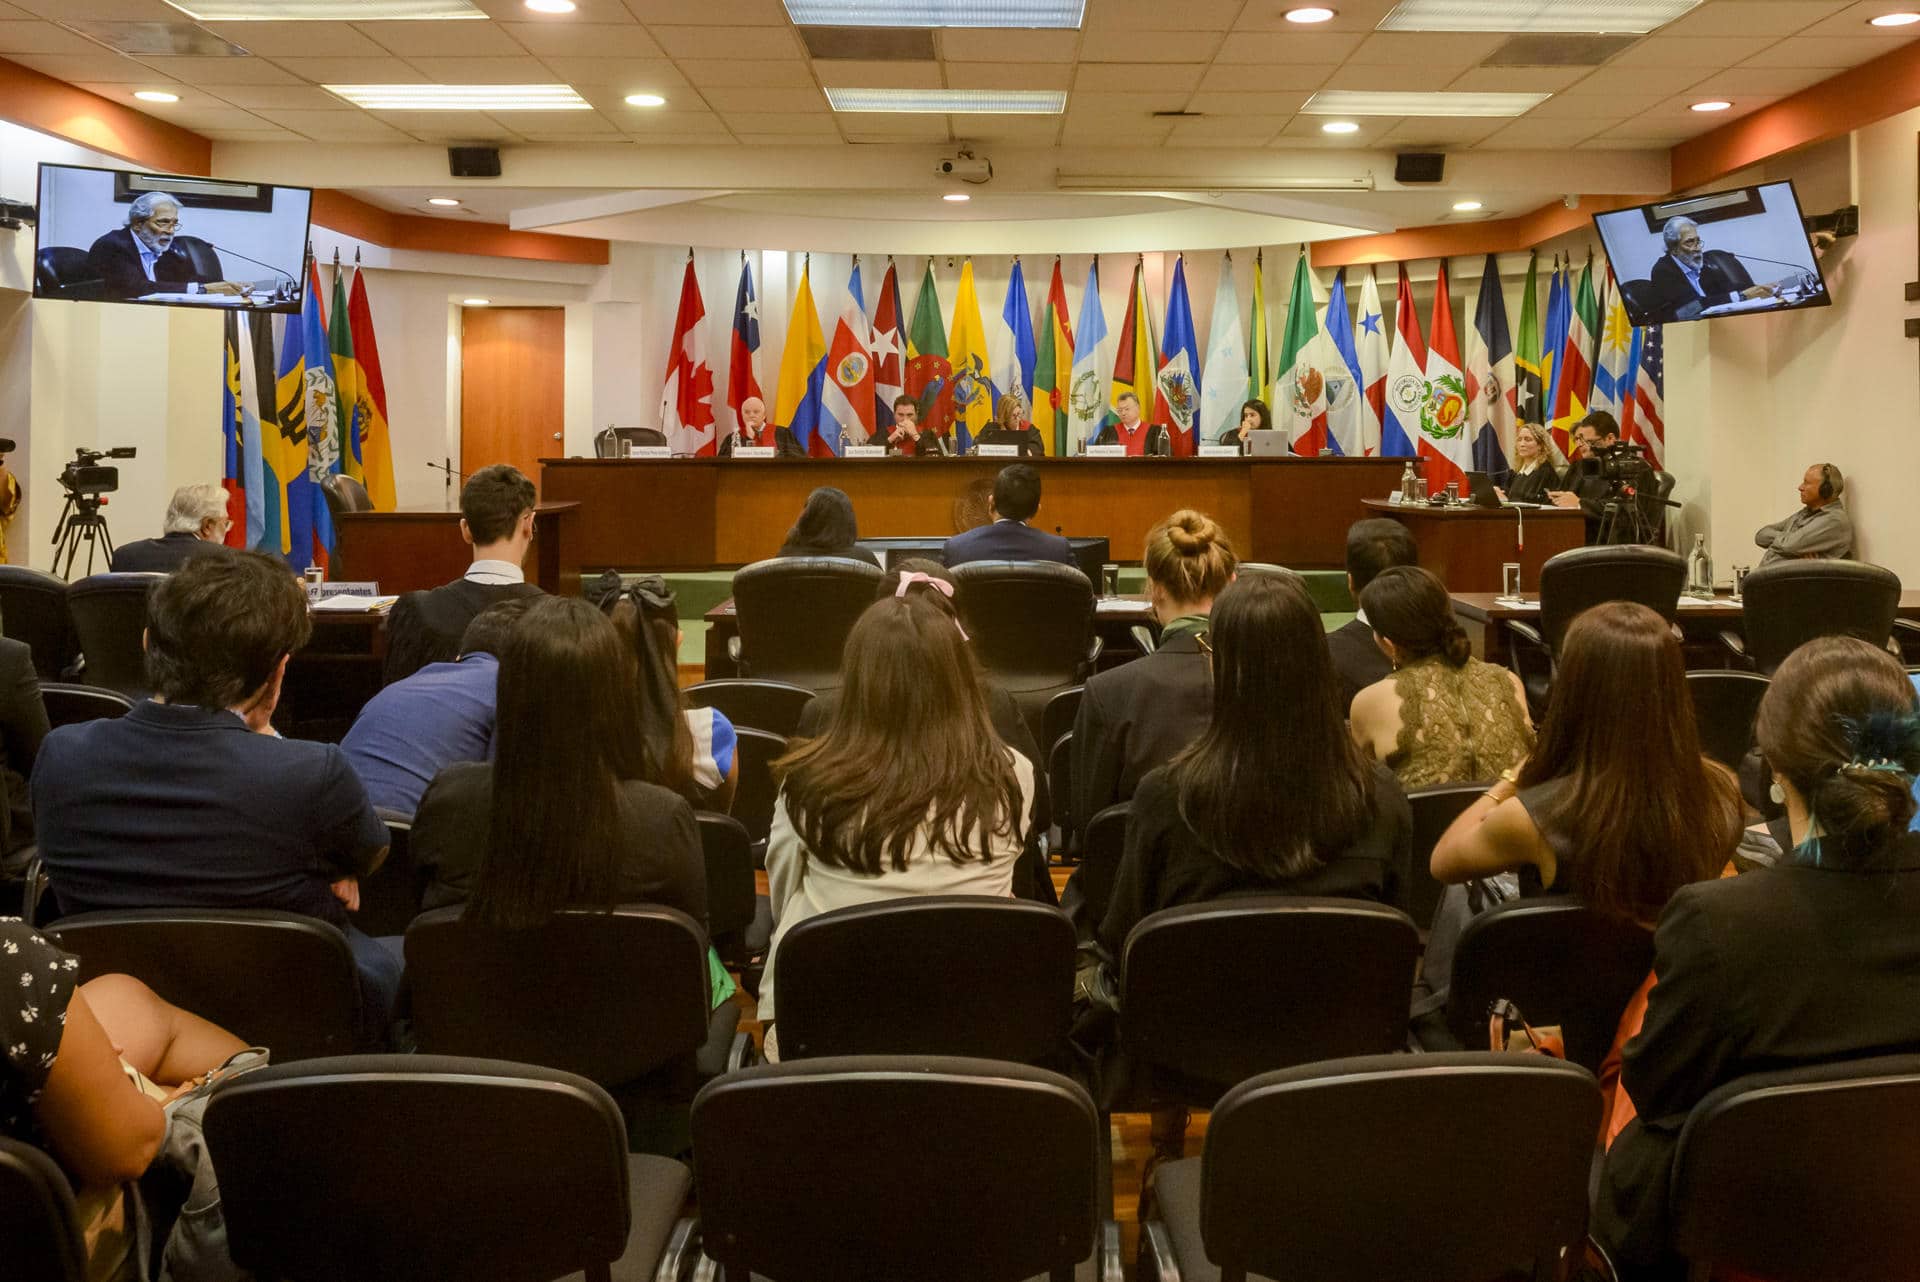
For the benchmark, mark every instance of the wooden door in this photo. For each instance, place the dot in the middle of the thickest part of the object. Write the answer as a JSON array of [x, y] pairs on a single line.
[[512, 386]]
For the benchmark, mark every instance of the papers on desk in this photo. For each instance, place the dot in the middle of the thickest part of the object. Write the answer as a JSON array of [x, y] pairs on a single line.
[[350, 604], [1702, 602], [1116, 604], [1515, 603]]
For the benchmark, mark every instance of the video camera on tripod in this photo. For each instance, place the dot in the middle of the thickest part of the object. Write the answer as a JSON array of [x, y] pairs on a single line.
[[86, 481], [1619, 464]]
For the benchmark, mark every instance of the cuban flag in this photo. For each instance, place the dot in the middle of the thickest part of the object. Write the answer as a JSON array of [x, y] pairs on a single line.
[[1490, 376], [1346, 405], [1370, 340], [1406, 377], [1179, 374], [1011, 353], [846, 398]]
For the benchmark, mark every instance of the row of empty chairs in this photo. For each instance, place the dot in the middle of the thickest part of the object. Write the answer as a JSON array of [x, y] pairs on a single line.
[[101, 616]]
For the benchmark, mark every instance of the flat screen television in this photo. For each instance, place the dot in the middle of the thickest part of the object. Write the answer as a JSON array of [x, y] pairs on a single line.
[[121, 236], [1740, 252]]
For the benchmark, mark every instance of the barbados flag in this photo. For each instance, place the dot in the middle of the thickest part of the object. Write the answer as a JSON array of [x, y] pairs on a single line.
[[326, 420], [289, 491], [803, 374]]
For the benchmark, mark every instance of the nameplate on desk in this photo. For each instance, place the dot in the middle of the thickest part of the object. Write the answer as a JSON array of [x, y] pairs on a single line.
[[1219, 451], [753, 451], [866, 451], [1106, 451], [348, 588], [649, 451], [997, 451]]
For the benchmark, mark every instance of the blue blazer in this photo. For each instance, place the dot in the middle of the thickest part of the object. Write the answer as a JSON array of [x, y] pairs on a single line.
[[1006, 541]]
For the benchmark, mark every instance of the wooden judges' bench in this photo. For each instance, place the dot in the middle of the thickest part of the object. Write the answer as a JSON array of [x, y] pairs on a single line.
[[675, 514]]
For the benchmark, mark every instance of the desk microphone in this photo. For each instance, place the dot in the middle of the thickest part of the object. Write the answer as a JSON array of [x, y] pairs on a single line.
[[1755, 258], [291, 279]]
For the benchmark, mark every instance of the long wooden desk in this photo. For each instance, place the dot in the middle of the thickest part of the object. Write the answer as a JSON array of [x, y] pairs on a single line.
[[1466, 546], [673, 514], [421, 547]]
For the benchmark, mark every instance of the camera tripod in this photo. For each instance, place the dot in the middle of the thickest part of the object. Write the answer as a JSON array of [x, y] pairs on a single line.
[[81, 521]]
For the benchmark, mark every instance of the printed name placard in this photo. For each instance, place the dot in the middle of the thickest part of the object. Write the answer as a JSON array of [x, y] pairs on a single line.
[[1219, 451], [649, 451], [1106, 451], [866, 451], [753, 451], [997, 451]]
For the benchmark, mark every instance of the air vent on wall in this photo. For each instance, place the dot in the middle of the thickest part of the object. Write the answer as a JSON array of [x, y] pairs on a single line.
[[1554, 49], [869, 44], [158, 39]]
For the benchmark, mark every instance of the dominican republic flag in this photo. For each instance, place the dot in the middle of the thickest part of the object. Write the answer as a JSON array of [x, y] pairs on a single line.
[[743, 356], [1445, 432], [1346, 406], [1490, 376], [1179, 376], [1011, 354], [1370, 340], [686, 396], [888, 368], [1648, 421], [847, 398], [1406, 377]]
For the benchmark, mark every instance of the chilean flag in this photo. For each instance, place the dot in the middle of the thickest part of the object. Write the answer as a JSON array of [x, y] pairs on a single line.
[[743, 358], [1445, 430], [686, 398], [888, 368], [1406, 377], [847, 398]]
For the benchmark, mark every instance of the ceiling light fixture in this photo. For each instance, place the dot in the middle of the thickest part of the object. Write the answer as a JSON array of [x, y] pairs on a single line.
[[326, 10], [1356, 102], [445, 202], [156, 95], [645, 100], [966, 102], [1715, 105], [1465, 206], [957, 197], [1340, 127], [550, 6], [1589, 16], [462, 97], [476, 302], [1064, 14], [1894, 20], [1312, 13]]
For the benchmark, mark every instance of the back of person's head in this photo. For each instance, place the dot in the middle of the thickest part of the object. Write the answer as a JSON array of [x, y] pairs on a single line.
[[919, 576], [1410, 607], [564, 736], [493, 500], [488, 632], [1376, 544], [193, 506], [1190, 557], [826, 521], [1274, 784], [1838, 722], [908, 749], [645, 613], [1647, 813], [219, 625], [1016, 492]]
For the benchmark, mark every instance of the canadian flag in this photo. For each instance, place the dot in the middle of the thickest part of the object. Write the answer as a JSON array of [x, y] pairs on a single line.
[[686, 398]]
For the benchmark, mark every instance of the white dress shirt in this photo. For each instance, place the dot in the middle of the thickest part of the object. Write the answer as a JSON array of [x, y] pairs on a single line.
[[494, 573]]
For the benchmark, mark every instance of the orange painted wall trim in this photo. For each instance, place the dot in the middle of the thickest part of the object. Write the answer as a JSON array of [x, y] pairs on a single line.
[[1457, 240], [54, 107], [356, 218]]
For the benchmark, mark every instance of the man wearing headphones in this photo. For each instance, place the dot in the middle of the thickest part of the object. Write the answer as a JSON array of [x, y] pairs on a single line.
[[1820, 529]]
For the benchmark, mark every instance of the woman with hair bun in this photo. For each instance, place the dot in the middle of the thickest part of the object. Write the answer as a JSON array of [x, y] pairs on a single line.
[[1814, 960], [1443, 716]]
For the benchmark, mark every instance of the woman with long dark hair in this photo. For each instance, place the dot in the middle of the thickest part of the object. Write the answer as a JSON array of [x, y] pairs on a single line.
[[826, 527], [1273, 796], [1254, 417], [907, 791]]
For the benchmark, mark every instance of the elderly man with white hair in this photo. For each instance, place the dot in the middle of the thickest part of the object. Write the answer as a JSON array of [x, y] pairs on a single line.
[[145, 257], [196, 523], [1689, 278]]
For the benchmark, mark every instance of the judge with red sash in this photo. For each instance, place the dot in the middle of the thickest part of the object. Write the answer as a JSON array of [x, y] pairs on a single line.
[[1141, 439]]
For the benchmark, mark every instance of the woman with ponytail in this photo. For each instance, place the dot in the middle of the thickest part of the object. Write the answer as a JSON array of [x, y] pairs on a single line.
[[1443, 716], [1814, 960]]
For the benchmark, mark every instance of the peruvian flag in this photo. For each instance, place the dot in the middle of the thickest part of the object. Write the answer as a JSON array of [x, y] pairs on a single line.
[[847, 395], [743, 356], [888, 368], [686, 400], [1444, 438]]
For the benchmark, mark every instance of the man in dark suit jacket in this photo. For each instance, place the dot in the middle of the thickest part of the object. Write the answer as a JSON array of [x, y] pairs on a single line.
[[196, 523], [144, 257], [496, 517], [1373, 545], [23, 724], [1688, 279], [1016, 497]]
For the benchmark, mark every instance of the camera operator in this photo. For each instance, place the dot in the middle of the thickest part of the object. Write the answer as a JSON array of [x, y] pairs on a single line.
[[196, 523], [1603, 470]]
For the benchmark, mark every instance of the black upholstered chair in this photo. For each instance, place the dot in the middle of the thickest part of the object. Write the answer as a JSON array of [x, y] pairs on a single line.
[[612, 442], [1834, 1143], [1433, 810], [110, 622], [1580, 578], [773, 706], [755, 791], [1103, 840], [1060, 713], [33, 609], [1346, 1147], [1641, 301], [390, 899], [940, 975], [343, 495], [739, 918], [1060, 792], [1559, 962], [1724, 706], [69, 704], [201, 256], [980, 1170], [39, 1226], [61, 271], [272, 979], [1031, 623], [794, 614], [443, 1168], [1789, 603]]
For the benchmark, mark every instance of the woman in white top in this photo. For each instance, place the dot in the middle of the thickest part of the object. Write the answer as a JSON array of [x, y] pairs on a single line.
[[907, 792]]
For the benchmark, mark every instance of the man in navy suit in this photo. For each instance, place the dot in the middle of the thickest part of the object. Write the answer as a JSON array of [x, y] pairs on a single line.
[[1016, 497]]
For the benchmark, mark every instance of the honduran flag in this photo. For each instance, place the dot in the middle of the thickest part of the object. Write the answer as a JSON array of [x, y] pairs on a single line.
[[888, 366], [803, 375], [847, 398], [1179, 374], [1406, 377], [1445, 439], [1490, 376], [743, 355], [686, 393], [1370, 340]]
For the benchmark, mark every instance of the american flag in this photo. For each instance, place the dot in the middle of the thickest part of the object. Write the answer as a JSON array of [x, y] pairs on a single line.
[[1647, 411]]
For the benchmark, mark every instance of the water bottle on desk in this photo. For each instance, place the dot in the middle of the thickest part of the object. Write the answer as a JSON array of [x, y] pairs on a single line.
[[1699, 569], [1409, 485]]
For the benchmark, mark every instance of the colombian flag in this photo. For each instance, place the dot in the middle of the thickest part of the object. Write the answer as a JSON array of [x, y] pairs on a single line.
[[803, 373]]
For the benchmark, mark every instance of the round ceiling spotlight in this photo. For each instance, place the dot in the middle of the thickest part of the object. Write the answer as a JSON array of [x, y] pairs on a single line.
[[1340, 127], [1894, 20], [645, 100], [156, 95], [957, 197], [551, 6], [1715, 105], [445, 202], [1465, 206], [476, 302], [1310, 14]]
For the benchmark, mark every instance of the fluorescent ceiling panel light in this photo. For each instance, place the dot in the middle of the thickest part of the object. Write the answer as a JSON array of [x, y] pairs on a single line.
[[476, 302], [1636, 16], [1357, 102], [936, 13], [462, 97], [1167, 183], [960, 102], [326, 10]]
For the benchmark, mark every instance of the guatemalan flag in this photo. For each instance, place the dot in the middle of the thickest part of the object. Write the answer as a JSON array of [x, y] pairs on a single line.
[[1011, 354], [1346, 407], [1406, 377], [847, 399], [743, 356], [1370, 340], [1490, 376], [1179, 375], [1445, 440]]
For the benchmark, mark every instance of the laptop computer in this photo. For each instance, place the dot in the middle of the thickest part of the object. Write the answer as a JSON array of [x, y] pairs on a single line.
[[1268, 444], [1480, 490]]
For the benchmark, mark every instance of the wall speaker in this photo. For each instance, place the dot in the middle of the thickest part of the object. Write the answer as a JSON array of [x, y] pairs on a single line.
[[1419, 166], [477, 162]]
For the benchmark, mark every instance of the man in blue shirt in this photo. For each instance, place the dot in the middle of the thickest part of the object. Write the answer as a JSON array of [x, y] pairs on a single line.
[[441, 714]]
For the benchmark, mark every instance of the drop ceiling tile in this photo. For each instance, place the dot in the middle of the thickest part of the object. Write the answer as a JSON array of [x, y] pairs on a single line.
[[1030, 131], [1249, 77], [1851, 20], [565, 124], [11, 11], [1630, 82], [123, 94], [729, 42], [1234, 131], [584, 39], [1529, 134], [223, 71], [628, 75], [612, 102], [1223, 105], [797, 101], [1297, 47], [108, 68], [1097, 131], [689, 140], [1660, 50], [661, 122], [354, 71], [443, 39], [1825, 51], [300, 39], [102, 10], [201, 119], [1016, 75], [585, 11], [1418, 79], [968, 45], [783, 141], [1160, 46], [523, 70], [29, 36], [1677, 112], [877, 75], [268, 134], [723, 73], [1762, 82], [286, 97], [351, 125], [1425, 48], [1125, 106], [1349, 15], [1752, 17], [765, 13], [453, 126], [810, 124], [1152, 15], [1125, 77], [1625, 143], [1573, 106], [1306, 130], [932, 128], [1440, 131], [614, 139], [1516, 79]]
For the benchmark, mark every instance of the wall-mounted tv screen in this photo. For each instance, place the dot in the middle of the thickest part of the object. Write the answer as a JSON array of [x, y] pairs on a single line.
[[118, 236], [1727, 253]]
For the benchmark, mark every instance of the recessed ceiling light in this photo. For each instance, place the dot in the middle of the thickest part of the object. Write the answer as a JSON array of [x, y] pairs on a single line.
[[462, 97], [957, 197], [1465, 206], [1340, 127], [476, 302], [645, 100], [969, 102], [445, 202], [1894, 20], [155, 95], [550, 6], [1715, 105], [936, 13], [1312, 13], [326, 10], [1589, 16], [1356, 102]]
